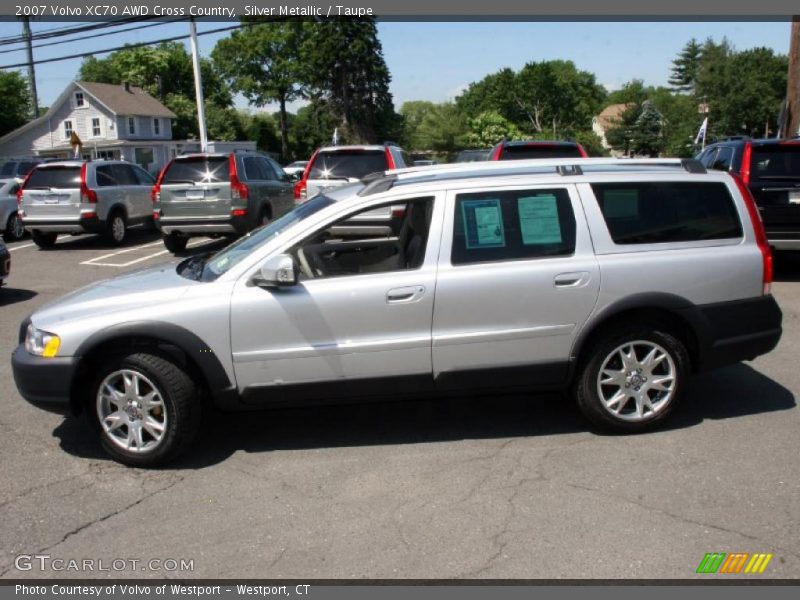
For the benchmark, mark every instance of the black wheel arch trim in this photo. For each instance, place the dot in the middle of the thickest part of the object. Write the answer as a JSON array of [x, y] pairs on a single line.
[[220, 387]]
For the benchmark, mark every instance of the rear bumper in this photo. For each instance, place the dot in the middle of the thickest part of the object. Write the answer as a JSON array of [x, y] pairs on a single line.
[[77, 225], [44, 382], [202, 225], [730, 332]]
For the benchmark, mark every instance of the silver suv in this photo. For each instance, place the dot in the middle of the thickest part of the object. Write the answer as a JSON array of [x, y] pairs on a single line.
[[214, 194], [74, 196], [613, 279]]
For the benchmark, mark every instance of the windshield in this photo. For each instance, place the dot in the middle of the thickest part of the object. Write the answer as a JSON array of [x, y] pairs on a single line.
[[780, 161], [347, 164], [223, 260]]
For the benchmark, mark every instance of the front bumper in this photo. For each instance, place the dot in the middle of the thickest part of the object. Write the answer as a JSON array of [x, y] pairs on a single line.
[[44, 382]]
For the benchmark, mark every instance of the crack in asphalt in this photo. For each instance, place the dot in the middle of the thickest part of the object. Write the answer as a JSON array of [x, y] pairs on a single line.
[[103, 518]]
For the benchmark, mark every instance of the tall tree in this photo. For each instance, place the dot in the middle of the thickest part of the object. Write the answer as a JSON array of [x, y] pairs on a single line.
[[263, 63], [686, 67], [16, 105], [345, 67], [648, 131], [490, 128]]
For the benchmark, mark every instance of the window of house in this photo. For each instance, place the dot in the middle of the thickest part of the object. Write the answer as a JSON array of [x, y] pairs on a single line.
[[660, 212], [79, 101], [512, 225], [68, 129], [340, 250], [131, 125], [96, 132], [156, 126]]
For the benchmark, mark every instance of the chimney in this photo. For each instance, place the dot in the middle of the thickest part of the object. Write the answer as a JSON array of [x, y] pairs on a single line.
[[127, 86]]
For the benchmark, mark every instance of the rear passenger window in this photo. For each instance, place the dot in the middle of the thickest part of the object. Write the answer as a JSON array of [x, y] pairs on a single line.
[[654, 213], [105, 176], [124, 175], [252, 169], [512, 225]]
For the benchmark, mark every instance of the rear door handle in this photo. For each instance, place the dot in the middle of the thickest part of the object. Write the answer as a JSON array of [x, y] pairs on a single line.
[[405, 295], [571, 280]]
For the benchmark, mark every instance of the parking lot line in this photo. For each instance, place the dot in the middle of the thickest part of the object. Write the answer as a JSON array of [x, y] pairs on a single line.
[[140, 259], [20, 247], [91, 261]]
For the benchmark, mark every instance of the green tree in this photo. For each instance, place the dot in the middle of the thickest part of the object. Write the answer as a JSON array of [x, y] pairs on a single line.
[[16, 105], [648, 131], [414, 113], [490, 128], [620, 135], [262, 129], [312, 127], [264, 64], [632, 92], [686, 67], [346, 70]]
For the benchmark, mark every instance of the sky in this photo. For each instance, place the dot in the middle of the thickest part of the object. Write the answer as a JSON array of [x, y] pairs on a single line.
[[436, 60]]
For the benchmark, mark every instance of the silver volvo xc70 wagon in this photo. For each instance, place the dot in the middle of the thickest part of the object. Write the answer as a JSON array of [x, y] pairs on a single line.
[[613, 279]]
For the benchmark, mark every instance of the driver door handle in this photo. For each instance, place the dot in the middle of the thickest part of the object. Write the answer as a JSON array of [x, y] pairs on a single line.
[[405, 295]]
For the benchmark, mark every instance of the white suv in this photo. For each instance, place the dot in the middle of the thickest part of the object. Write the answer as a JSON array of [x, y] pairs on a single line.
[[613, 279]]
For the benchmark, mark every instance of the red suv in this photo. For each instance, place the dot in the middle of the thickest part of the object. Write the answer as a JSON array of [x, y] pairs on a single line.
[[536, 149]]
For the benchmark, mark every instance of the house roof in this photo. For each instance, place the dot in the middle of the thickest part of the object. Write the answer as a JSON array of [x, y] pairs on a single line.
[[611, 114], [126, 101]]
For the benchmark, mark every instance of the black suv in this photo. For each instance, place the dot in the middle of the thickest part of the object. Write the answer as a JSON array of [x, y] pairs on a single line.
[[771, 169]]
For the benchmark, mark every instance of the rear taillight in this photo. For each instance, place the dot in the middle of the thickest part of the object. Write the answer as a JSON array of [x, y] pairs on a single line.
[[239, 190], [496, 152], [301, 187], [389, 159], [239, 212], [398, 211], [761, 235], [87, 195], [155, 193], [582, 151], [21, 188], [747, 155]]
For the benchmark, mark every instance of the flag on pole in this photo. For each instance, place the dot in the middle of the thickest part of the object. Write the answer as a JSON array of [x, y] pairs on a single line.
[[701, 135]]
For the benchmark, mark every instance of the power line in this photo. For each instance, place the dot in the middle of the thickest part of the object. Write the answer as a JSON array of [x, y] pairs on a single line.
[[88, 37], [73, 30], [15, 38], [123, 47]]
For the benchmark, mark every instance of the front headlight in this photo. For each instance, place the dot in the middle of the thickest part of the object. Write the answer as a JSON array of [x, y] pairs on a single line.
[[41, 343]]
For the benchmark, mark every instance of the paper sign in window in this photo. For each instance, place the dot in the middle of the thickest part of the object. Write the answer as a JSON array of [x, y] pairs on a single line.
[[483, 223], [538, 219]]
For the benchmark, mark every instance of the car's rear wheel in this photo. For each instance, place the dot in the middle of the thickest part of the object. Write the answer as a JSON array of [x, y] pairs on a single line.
[[44, 240], [146, 408], [633, 379], [117, 228], [15, 230], [175, 242], [264, 217]]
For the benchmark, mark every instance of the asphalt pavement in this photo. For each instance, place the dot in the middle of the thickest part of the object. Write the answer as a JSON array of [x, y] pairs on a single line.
[[491, 487]]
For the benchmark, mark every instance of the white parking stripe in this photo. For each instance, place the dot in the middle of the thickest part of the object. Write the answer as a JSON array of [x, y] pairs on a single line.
[[20, 247], [140, 259], [91, 261]]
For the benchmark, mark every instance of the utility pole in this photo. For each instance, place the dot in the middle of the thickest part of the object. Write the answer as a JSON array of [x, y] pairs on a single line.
[[26, 28], [198, 87], [793, 82]]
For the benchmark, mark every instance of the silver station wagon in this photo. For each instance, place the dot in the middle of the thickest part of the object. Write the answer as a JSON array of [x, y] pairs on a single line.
[[615, 280]]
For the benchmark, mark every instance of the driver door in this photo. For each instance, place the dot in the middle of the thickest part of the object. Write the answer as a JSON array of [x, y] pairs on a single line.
[[357, 323]]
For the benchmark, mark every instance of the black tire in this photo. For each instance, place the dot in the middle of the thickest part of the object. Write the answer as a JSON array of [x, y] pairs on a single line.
[[183, 405], [264, 217], [587, 384], [14, 228], [44, 240], [175, 243], [116, 228]]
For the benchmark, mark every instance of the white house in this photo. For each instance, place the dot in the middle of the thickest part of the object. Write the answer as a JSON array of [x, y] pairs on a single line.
[[112, 122]]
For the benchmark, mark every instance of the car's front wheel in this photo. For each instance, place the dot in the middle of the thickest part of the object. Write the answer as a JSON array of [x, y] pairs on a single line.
[[146, 408], [633, 379]]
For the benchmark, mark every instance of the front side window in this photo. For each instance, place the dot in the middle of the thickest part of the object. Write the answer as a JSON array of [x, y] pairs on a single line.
[[512, 225], [344, 249], [660, 212], [68, 129]]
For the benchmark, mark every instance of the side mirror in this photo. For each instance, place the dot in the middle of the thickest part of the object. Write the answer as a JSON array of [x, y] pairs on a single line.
[[277, 271]]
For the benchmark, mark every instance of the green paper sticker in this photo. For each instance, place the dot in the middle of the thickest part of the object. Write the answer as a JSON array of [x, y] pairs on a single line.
[[538, 219]]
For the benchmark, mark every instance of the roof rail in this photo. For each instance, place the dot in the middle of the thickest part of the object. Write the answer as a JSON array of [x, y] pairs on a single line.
[[384, 180]]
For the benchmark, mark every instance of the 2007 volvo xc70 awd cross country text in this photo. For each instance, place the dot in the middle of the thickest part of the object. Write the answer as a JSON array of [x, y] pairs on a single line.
[[615, 280]]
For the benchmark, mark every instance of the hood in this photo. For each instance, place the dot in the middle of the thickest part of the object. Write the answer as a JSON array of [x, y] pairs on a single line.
[[140, 289]]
